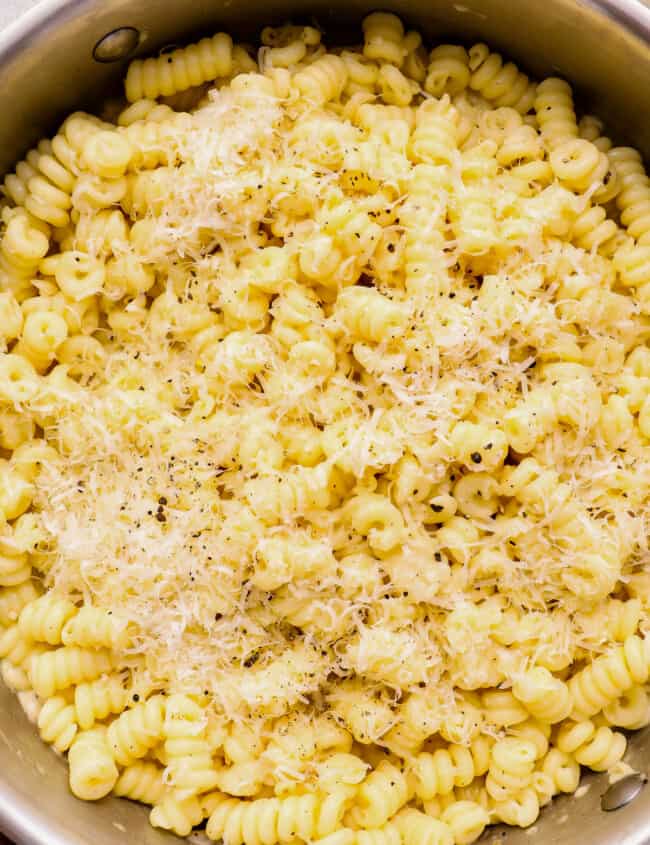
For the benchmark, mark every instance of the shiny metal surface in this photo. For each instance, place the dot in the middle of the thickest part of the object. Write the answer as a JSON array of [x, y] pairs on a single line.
[[622, 792], [117, 45], [47, 69]]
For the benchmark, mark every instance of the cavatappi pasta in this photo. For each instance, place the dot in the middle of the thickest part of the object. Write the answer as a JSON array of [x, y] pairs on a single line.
[[325, 429]]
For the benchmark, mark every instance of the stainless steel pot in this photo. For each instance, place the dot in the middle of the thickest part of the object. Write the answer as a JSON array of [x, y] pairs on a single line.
[[47, 68]]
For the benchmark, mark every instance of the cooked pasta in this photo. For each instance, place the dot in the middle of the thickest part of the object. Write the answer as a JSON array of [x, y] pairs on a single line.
[[457, 765], [95, 700], [136, 731], [325, 430], [93, 771], [142, 781], [56, 723], [44, 619], [180, 69]]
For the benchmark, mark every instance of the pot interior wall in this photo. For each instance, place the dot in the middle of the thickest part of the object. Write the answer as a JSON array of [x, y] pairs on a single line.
[[50, 70]]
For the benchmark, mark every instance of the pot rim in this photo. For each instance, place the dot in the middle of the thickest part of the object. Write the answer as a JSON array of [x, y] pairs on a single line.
[[633, 15]]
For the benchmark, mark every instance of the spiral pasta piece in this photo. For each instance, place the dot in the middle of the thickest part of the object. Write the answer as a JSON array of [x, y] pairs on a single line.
[[633, 265], [142, 781], [19, 651], [95, 700], [597, 748], [448, 71], [369, 314], [346, 836], [395, 88], [380, 796], [16, 491], [521, 810], [622, 618], [285, 53], [475, 222], [303, 490], [591, 128], [438, 773], [592, 230], [323, 80], [269, 821], [384, 38], [435, 138], [633, 199], [56, 723], [578, 164], [44, 619], [544, 696], [15, 678], [147, 190], [512, 762], [145, 110], [56, 165], [43, 333], [93, 772], [190, 769], [14, 599], [24, 243], [375, 517], [13, 645], [466, 819], [281, 559], [65, 667], [501, 84], [631, 711], [177, 814], [389, 834], [562, 769], [424, 243], [107, 154], [418, 721], [519, 145], [607, 677], [617, 619], [102, 234], [155, 140], [555, 112], [183, 68], [11, 312], [94, 627], [15, 184], [417, 828], [136, 731]]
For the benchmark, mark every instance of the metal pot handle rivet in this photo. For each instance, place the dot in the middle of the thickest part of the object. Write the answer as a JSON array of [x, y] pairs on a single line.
[[622, 792], [116, 45]]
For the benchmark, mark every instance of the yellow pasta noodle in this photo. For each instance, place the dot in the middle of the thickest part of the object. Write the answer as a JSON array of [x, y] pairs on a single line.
[[181, 69], [142, 781], [93, 772]]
